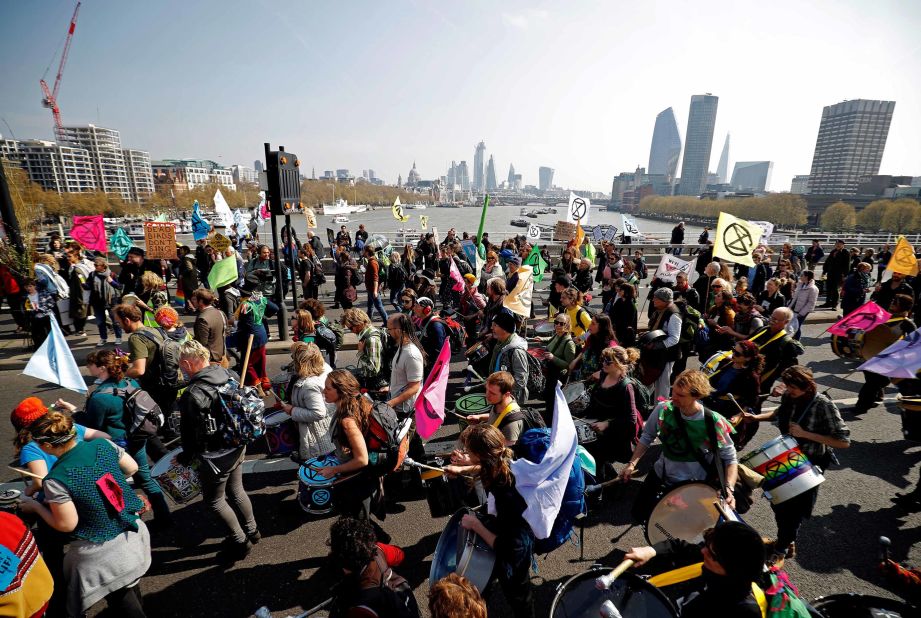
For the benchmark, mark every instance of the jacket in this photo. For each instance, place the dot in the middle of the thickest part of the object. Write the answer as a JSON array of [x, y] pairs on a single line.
[[312, 415], [513, 357], [804, 299]]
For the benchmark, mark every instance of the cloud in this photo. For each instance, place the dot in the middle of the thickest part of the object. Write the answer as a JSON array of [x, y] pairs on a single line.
[[526, 18]]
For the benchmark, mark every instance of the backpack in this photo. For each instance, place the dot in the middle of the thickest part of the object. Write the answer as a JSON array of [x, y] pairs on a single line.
[[388, 349], [167, 357], [531, 418], [536, 379], [644, 271], [691, 324], [142, 416], [356, 278], [783, 597], [393, 598], [463, 266], [338, 331], [455, 331], [532, 445], [642, 397], [383, 439], [241, 420], [327, 334]]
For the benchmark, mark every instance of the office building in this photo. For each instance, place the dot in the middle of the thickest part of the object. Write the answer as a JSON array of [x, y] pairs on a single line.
[[181, 175], [666, 145], [479, 169], [140, 174], [55, 167], [800, 184], [491, 184], [850, 144], [698, 143], [462, 176], [243, 174], [722, 170], [106, 156], [752, 176], [545, 176], [257, 165]]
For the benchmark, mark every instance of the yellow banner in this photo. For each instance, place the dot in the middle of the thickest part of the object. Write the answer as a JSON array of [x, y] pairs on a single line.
[[903, 259], [736, 239], [397, 210]]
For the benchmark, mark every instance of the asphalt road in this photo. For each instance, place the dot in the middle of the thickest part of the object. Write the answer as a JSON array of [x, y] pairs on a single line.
[[287, 572]]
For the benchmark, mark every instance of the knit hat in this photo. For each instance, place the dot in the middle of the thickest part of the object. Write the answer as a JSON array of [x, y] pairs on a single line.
[[739, 549], [166, 317], [664, 294], [470, 277], [248, 287], [505, 321], [27, 412]]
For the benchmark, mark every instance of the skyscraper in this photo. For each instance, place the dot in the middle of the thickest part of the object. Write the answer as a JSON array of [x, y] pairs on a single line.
[[545, 175], [491, 184], [462, 176], [697, 144], [850, 144], [479, 174], [722, 170], [666, 145], [511, 175], [751, 175]]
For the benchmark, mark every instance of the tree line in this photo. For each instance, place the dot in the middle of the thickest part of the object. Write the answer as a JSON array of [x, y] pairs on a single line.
[[901, 216], [782, 209]]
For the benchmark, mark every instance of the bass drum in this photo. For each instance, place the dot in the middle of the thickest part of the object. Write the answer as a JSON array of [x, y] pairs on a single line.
[[464, 552], [852, 605], [861, 345], [633, 597], [683, 512]]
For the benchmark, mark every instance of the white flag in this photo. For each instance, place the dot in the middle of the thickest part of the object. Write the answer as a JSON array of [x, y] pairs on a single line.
[[578, 210], [54, 362], [222, 209], [630, 228], [670, 266], [519, 299]]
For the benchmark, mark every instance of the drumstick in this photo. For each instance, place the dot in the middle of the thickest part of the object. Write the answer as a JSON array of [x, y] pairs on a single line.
[[26, 472], [733, 400], [590, 489], [604, 582], [409, 461], [726, 513]]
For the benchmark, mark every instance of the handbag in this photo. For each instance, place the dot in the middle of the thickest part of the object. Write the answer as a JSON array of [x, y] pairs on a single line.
[[350, 294]]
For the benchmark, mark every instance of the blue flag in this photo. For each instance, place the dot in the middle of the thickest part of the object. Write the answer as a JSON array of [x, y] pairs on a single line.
[[54, 362], [200, 227], [902, 359]]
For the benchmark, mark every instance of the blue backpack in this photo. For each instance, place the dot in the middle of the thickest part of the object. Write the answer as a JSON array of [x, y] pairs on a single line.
[[532, 445]]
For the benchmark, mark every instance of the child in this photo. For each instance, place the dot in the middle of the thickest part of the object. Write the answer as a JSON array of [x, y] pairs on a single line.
[[39, 310]]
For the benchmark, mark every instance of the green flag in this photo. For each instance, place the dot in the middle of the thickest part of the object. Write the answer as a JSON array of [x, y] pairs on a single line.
[[161, 218], [120, 243], [223, 272], [479, 234], [536, 261]]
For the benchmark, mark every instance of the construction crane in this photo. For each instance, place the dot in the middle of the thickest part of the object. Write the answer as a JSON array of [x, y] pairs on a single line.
[[50, 99]]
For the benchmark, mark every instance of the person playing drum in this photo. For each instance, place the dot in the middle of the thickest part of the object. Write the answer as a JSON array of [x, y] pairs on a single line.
[[780, 350], [505, 413], [733, 561], [682, 425], [505, 530], [814, 420], [741, 379]]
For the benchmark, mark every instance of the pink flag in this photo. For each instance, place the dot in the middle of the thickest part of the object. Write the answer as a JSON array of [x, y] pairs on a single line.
[[430, 405], [866, 318], [90, 231], [456, 277]]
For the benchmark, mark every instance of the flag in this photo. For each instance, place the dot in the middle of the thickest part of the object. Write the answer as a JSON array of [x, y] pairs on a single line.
[[902, 359], [397, 210], [536, 261], [903, 259], [579, 239], [630, 227], [200, 227], [423, 222], [311, 217], [238, 220], [54, 362], [578, 210], [262, 210], [670, 266], [542, 484], [161, 218], [90, 232], [736, 239], [222, 209], [456, 277], [479, 234], [120, 244], [518, 300], [866, 318], [223, 272], [430, 404]]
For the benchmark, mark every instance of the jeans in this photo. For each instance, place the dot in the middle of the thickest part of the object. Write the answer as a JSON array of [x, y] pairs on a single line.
[[790, 515], [375, 302], [216, 486], [799, 327], [142, 479], [100, 313], [395, 296]]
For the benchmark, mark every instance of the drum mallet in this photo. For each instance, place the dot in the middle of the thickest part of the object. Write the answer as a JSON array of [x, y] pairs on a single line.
[[590, 489], [609, 610], [409, 461], [604, 582]]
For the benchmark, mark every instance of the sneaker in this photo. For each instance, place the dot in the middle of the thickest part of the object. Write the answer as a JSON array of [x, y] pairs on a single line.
[[82, 333], [118, 341], [255, 537], [234, 552], [102, 343]]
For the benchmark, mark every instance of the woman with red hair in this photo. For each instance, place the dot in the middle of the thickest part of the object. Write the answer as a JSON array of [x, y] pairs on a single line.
[[739, 379]]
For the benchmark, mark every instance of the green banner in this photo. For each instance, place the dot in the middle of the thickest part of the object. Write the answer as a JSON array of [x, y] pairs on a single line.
[[536, 261], [222, 273]]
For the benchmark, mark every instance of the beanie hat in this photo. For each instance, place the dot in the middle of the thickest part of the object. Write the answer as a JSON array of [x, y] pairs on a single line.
[[27, 412], [167, 317], [505, 321], [470, 277], [664, 294], [739, 549]]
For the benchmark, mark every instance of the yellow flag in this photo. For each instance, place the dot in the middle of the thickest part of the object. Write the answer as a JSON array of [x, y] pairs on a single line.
[[397, 210], [736, 239], [518, 300], [424, 222], [311, 218], [580, 236], [903, 259]]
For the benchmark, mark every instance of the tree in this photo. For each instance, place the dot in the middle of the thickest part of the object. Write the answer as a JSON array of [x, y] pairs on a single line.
[[870, 218], [839, 217], [901, 216]]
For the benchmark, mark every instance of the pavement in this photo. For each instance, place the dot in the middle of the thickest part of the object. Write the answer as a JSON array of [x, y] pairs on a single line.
[[288, 571]]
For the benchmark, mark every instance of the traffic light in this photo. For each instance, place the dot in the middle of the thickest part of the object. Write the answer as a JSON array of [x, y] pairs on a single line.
[[284, 177]]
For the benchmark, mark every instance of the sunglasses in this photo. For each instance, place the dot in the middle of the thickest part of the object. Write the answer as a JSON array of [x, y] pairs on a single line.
[[560, 323], [737, 353], [607, 361]]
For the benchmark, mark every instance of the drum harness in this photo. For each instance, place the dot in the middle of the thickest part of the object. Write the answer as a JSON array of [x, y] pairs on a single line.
[[776, 336]]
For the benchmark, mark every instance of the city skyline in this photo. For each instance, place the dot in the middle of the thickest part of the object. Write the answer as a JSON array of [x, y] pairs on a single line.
[[516, 87]]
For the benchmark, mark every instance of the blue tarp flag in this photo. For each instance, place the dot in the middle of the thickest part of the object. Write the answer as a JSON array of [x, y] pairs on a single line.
[[902, 359], [200, 227], [54, 362]]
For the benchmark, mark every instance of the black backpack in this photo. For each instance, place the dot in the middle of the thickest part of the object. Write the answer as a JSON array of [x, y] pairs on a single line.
[[356, 277], [142, 416], [167, 360], [531, 417], [383, 439], [393, 598]]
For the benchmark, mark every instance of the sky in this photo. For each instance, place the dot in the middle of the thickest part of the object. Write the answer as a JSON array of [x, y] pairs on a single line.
[[574, 85]]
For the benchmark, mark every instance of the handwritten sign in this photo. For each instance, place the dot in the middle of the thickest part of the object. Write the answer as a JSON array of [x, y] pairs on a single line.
[[160, 240]]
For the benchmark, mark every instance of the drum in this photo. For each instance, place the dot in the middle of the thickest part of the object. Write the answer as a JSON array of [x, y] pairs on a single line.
[[180, 482], [683, 512], [477, 353], [852, 605], [787, 471], [715, 362], [9, 500], [281, 435], [464, 552], [280, 384], [584, 431], [848, 346], [577, 397], [543, 328], [860, 345], [314, 492], [440, 492], [911, 417], [474, 403], [633, 597]]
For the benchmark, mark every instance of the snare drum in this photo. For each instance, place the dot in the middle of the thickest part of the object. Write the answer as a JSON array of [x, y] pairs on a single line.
[[280, 384], [9, 500], [464, 552], [683, 512], [577, 397], [314, 492], [584, 430], [474, 403], [440, 493], [633, 597], [543, 328], [787, 471], [281, 435], [715, 362], [180, 482], [477, 353], [861, 345]]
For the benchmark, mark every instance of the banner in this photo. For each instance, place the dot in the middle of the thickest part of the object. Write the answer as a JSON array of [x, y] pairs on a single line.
[[223, 272], [200, 227], [767, 228], [262, 210], [424, 222], [54, 362], [160, 240], [397, 210], [430, 404], [736, 239], [161, 218], [90, 231], [533, 232], [578, 209], [239, 222], [903, 259], [536, 261], [604, 232], [120, 244], [866, 318], [222, 209], [902, 359], [670, 266], [630, 227], [518, 300], [219, 242]]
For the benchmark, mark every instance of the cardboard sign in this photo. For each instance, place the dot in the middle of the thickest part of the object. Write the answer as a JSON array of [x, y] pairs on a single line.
[[160, 240], [220, 243]]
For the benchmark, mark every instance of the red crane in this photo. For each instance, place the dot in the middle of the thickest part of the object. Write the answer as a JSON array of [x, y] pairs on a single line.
[[50, 99]]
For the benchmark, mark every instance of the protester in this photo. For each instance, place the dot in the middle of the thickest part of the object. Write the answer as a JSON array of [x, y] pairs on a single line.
[[885, 292], [167, 320], [396, 278], [133, 268], [407, 367], [327, 339], [151, 297], [39, 308], [572, 300], [666, 318], [623, 313], [504, 412], [344, 239], [559, 353], [814, 254], [79, 272], [344, 280], [835, 268], [370, 349], [187, 281], [600, 337], [306, 405], [780, 350], [747, 320], [804, 299], [677, 240], [770, 298], [210, 325], [310, 271], [454, 596], [373, 285], [510, 354], [425, 284], [683, 291], [614, 404], [249, 318], [155, 372], [720, 318], [856, 287], [471, 307], [432, 330]]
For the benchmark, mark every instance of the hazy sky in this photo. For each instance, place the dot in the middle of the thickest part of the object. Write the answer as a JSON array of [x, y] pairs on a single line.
[[574, 85]]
